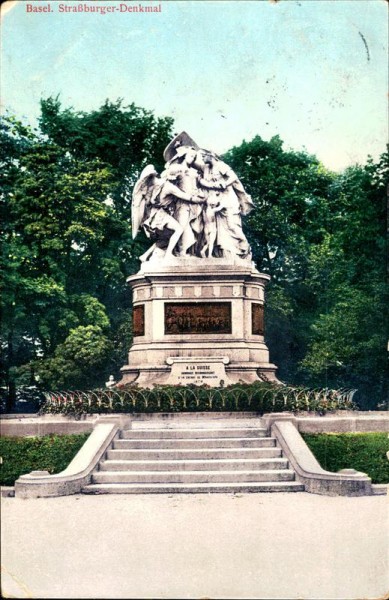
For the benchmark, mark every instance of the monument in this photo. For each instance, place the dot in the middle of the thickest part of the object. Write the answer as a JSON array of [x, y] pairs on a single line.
[[198, 299]]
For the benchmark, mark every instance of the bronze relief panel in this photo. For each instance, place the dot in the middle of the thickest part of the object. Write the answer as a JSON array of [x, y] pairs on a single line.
[[198, 318], [257, 319], [138, 320]]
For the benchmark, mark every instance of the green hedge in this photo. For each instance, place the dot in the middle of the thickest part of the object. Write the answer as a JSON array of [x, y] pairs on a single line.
[[364, 452], [258, 397], [50, 453]]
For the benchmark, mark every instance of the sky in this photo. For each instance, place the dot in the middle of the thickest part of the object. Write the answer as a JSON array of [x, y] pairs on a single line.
[[313, 72]]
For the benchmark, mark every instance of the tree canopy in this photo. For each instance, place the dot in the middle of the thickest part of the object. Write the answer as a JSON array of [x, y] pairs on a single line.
[[67, 250], [322, 238], [67, 245]]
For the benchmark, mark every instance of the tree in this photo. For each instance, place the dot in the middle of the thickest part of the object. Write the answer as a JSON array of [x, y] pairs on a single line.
[[15, 139], [76, 362], [348, 337], [126, 138], [67, 250], [290, 191], [67, 241], [321, 237]]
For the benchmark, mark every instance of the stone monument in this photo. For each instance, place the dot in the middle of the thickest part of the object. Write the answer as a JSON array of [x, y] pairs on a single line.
[[198, 300]]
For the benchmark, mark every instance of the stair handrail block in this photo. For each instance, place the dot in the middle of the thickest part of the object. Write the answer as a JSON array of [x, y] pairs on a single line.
[[316, 479], [40, 484]]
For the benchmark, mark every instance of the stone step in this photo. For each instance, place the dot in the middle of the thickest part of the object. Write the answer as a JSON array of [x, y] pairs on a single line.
[[183, 443], [192, 488], [196, 420], [192, 476], [196, 453], [239, 432], [194, 465]]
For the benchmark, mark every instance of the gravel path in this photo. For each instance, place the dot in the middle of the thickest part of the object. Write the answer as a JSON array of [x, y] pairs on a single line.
[[196, 546]]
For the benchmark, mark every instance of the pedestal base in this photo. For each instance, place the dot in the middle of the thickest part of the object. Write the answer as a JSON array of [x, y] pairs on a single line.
[[198, 321]]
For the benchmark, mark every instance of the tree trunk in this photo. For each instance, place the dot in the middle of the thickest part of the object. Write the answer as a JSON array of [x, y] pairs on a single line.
[[11, 395]]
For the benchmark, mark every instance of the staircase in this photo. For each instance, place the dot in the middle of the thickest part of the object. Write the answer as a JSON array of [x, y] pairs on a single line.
[[233, 455]]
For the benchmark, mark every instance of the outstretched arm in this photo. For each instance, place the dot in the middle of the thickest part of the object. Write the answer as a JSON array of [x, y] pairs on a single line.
[[170, 189], [197, 199], [211, 185]]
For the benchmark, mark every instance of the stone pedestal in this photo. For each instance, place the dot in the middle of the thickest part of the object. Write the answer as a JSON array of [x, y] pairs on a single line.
[[198, 321]]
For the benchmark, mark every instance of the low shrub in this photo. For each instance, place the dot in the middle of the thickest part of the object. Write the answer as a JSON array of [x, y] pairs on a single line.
[[257, 397], [365, 452], [50, 453]]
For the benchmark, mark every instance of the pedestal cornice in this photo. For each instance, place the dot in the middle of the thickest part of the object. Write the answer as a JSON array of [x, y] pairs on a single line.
[[203, 270]]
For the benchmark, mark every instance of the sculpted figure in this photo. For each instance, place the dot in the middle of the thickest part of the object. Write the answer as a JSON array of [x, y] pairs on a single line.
[[225, 190], [213, 206], [153, 206], [188, 215], [194, 208]]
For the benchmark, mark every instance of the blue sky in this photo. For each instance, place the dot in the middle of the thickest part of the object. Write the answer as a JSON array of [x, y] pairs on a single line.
[[312, 71]]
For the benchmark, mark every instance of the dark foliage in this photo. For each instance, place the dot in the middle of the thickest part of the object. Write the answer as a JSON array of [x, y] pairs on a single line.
[[365, 452], [50, 453]]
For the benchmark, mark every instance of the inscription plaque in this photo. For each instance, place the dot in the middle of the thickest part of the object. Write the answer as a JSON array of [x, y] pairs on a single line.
[[257, 319], [199, 317], [208, 370], [138, 320]]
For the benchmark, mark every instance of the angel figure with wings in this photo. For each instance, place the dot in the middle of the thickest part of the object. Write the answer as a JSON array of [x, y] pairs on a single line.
[[153, 205]]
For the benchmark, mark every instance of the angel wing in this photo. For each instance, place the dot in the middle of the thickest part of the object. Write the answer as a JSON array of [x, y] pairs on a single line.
[[140, 195]]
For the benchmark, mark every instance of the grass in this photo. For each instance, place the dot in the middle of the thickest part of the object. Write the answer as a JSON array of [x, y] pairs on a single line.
[[365, 452], [50, 453]]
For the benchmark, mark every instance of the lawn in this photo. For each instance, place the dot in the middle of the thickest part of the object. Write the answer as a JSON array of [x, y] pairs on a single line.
[[52, 453], [364, 452]]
